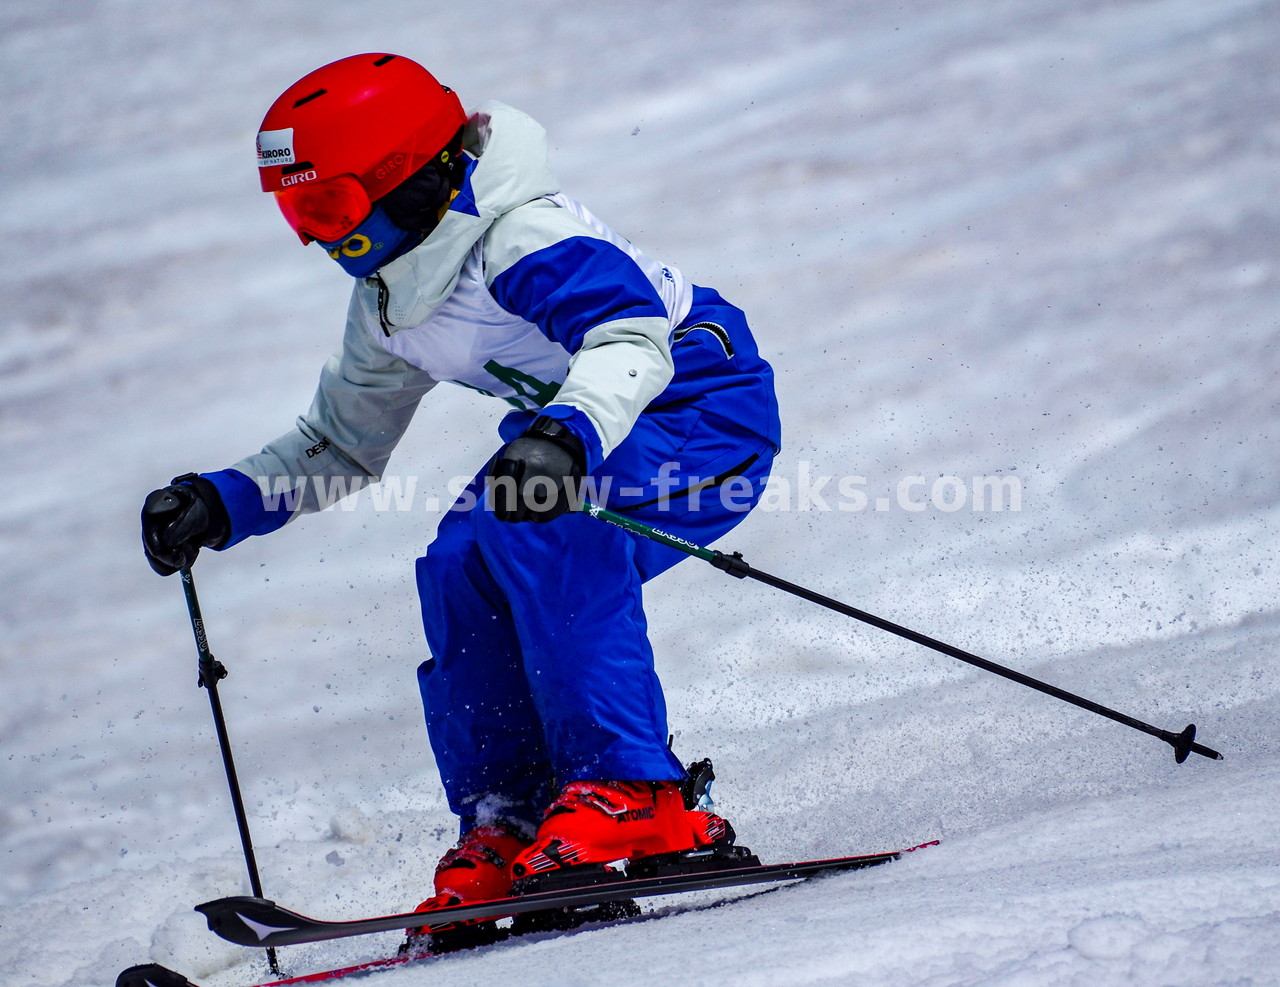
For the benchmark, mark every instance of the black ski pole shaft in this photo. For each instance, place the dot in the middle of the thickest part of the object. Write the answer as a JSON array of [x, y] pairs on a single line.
[[211, 672], [1183, 743]]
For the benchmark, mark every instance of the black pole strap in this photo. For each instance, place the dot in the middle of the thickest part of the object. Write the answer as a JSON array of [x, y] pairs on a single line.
[[212, 672]]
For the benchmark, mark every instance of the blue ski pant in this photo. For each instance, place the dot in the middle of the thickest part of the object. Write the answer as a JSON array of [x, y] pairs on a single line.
[[541, 671]]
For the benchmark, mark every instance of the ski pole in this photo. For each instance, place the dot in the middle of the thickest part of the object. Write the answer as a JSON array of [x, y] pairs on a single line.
[[211, 672], [1182, 743]]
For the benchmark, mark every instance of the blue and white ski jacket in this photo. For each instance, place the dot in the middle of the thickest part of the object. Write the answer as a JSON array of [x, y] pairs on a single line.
[[522, 294]]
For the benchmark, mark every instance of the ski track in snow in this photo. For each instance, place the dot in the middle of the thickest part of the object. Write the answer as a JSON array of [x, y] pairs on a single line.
[[989, 239]]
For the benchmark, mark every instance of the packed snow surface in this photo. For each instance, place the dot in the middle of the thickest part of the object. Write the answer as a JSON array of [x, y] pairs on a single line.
[[993, 245]]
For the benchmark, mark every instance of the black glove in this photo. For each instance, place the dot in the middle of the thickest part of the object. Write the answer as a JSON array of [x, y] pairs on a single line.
[[178, 519], [537, 476]]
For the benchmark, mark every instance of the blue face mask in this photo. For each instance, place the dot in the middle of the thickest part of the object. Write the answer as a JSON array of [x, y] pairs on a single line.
[[375, 242]]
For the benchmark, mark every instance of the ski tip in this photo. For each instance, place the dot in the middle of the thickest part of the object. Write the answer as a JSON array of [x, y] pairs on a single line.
[[244, 920], [151, 975]]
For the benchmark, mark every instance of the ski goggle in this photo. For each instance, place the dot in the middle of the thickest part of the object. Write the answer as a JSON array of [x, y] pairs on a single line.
[[326, 210]]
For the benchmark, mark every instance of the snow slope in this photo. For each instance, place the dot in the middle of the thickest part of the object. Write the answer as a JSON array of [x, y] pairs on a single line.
[[995, 239]]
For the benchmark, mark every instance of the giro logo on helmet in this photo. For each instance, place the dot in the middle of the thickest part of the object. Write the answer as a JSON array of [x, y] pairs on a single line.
[[388, 166], [306, 176]]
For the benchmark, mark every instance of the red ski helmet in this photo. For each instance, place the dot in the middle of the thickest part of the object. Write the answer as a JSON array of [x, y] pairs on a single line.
[[348, 133]]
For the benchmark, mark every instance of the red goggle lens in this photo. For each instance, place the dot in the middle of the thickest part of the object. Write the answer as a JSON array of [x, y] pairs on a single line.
[[326, 210]]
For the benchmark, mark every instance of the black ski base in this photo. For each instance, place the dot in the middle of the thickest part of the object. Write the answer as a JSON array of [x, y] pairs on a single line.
[[258, 922], [151, 975], [564, 919]]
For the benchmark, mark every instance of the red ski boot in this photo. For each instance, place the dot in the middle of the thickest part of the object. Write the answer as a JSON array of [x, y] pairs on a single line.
[[596, 822], [477, 868]]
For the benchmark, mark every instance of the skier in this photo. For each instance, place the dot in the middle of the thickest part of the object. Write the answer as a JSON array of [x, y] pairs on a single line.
[[543, 709]]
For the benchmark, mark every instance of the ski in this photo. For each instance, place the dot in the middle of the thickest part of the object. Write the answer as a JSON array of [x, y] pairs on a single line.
[[250, 921], [617, 889], [154, 975]]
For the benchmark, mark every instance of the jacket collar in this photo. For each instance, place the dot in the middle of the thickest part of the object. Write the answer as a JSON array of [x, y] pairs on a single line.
[[510, 168]]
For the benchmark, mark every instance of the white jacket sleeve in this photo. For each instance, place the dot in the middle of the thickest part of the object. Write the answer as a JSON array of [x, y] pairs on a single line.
[[363, 404]]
